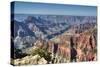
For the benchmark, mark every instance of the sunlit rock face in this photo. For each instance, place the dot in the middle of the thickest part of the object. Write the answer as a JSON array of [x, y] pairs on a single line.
[[87, 46], [84, 44]]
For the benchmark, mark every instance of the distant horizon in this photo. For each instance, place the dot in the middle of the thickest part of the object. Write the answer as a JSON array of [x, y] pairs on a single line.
[[54, 15], [52, 9], [22, 17]]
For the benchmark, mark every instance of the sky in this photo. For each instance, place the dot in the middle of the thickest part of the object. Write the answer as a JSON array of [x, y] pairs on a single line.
[[53, 9]]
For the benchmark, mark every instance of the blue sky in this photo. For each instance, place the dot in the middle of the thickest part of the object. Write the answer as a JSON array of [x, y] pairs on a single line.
[[54, 9]]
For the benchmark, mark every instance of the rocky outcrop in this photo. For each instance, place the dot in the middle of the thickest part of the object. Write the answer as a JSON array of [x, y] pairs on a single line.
[[30, 60]]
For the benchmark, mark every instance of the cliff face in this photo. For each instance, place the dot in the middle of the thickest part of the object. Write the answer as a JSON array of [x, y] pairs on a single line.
[[84, 44], [86, 47]]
